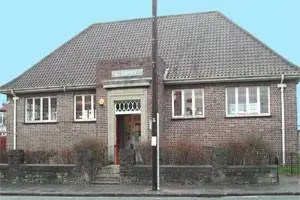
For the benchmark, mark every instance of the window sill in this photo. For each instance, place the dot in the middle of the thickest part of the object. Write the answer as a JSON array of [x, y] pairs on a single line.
[[42, 122], [248, 116], [189, 117], [85, 121]]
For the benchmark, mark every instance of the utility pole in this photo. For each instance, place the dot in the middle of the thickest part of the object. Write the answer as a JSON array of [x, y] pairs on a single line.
[[154, 97]]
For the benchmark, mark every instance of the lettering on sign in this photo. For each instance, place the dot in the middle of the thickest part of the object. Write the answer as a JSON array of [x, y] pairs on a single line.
[[127, 73]]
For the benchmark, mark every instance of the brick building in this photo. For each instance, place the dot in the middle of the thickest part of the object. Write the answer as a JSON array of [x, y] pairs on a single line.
[[3, 117], [215, 82]]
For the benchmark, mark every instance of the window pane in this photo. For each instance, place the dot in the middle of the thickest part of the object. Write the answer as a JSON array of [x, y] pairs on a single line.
[[199, 102], [87, 107], [264, 99], [242, 100], [253, 106], [177, 103], [53, 109], [1, 118], [37, 109], [94, 112], [78, 103], [231, 101], [29, 110], [45, 109], [188, 103]]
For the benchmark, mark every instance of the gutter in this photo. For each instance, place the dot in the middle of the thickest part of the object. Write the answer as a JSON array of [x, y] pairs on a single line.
[[48, 89], [282, 86], [15, 99], [235, 79]]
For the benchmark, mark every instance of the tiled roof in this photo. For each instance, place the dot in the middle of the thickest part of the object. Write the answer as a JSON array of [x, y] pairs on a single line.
[[193, 46]]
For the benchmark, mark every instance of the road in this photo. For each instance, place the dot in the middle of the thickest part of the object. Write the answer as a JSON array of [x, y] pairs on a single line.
[[151, 198]]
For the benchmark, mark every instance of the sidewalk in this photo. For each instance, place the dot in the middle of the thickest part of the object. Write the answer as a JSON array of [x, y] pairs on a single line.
[[288, 186]]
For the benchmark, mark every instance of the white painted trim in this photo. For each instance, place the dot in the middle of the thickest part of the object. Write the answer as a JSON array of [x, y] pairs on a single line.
[[41, 108], [247, 98], [49, 89], [83, 108], [222, 80], [2, 118], [74, 108], [246, 114], [269, 101], [119, 95], [258, 98], [203, 104], [173, 91], [33, 110], [33, 121], [226, 101], [182, 102], [282, 86], [123, 83], [193, 103], [193, 116], [92, 107], [157, 148], [236, 93], [128, 113], [15, 99], [25, 110]]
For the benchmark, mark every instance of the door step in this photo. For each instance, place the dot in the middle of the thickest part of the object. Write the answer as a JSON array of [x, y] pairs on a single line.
[[108, 175]]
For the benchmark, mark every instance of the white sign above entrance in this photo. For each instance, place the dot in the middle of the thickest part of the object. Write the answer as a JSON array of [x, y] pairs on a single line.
[[127, 73]]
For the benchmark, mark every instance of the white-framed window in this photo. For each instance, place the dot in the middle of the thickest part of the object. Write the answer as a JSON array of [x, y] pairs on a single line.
[[41, 109], [1, 118], [85, 107], [188, 103], [247, 101]]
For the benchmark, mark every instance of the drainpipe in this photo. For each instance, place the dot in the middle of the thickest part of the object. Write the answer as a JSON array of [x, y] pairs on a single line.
[[15, 99], [282, 86]]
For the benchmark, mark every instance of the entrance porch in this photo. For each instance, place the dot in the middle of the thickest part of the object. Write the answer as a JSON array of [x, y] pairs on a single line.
[[127, 120]]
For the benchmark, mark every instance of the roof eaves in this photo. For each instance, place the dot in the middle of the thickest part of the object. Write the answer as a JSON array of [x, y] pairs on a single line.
[[48, 89], [229, 79]]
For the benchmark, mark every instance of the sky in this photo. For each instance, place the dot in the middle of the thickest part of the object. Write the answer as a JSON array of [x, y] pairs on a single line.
[[32, 29]]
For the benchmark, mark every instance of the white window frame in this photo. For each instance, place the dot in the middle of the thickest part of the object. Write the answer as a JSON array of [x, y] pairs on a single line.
[[247, 114], [183, 104], [41, 110], [2, 119], [93, 104]]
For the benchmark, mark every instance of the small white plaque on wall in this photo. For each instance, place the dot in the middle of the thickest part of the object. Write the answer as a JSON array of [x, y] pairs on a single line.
[[126, 73], [153, 141]]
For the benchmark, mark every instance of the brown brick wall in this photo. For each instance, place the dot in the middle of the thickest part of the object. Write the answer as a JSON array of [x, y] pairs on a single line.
[[212, 130], [47, 136], [216, 128]]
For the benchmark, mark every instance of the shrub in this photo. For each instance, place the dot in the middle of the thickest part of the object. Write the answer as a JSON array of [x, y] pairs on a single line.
[[64, 156], [3, 156], [93, 146], [49, 157], [251, 150], [37, 157], [180, 153], [184, 153]]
